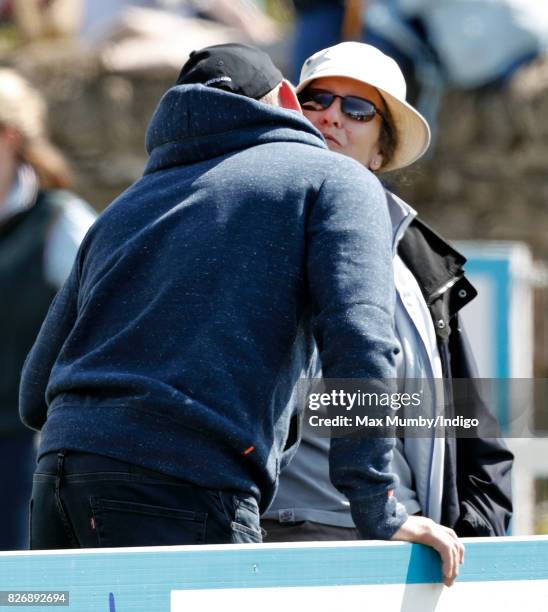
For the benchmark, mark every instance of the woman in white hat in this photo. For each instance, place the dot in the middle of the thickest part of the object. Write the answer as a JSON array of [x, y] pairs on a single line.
[[375, 125], [355, 96], [41, 226]]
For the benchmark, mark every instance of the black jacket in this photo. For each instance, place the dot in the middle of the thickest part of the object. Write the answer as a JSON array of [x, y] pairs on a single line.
[[477, 471], [26, 295]]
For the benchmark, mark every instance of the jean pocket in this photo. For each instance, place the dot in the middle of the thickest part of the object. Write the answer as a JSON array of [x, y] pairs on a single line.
[[127, 523], [246, 527], [241, 534]]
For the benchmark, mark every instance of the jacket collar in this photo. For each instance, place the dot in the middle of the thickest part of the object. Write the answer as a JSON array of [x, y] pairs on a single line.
[[401, 215], [22, 195], [438, 268], [433, 261]]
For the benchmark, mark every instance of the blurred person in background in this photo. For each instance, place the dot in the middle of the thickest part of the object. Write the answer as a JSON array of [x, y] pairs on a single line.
[[355, 96], [105, 18], [462, 44], [156, 36], [41, 226], [37, 19]]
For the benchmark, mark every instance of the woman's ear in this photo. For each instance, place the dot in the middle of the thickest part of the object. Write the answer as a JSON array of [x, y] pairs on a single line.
[[375, 163]]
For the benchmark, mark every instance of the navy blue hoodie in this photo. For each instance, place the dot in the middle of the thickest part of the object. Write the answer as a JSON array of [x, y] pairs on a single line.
[[178, 337]]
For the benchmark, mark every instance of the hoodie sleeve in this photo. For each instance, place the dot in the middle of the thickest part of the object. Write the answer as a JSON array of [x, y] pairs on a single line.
[[349, 267], [39, 363]]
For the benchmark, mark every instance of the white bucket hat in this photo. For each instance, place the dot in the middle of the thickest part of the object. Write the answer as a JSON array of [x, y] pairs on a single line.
[[367, 64]]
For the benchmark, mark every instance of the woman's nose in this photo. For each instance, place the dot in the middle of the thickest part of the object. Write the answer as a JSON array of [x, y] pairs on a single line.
[[332, 115]]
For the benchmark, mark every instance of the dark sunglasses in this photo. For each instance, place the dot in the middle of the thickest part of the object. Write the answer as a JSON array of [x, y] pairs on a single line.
[[354, 107]]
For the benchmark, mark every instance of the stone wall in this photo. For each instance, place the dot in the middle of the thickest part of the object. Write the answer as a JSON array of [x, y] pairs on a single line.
[[97, 118], [487, 177]]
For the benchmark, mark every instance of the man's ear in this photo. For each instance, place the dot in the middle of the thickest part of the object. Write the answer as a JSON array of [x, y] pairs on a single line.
[[287, 97]]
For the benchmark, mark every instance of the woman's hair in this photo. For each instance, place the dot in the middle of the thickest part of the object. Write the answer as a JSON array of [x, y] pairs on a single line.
[[388, 137], [23, 108]]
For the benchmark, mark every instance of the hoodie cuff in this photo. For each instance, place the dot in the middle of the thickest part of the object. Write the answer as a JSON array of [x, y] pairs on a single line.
[[379, 517]]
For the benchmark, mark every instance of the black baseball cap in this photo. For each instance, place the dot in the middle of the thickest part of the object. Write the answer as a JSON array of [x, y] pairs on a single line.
[[241, 69]]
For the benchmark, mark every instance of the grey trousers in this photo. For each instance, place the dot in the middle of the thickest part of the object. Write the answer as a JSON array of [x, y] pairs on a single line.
[[306, 531]]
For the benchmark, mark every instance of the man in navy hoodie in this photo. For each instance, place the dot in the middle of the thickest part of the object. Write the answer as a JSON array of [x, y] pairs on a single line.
[[160, 380]]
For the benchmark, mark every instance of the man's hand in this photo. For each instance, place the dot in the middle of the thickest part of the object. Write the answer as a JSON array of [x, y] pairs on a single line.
[[422, 530]]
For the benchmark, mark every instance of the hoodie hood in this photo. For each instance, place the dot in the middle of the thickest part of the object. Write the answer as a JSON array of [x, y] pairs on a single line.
[[193, 123]]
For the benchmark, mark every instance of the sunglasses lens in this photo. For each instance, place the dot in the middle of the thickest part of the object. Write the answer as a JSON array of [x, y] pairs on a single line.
[[358, 108], [316, 100]]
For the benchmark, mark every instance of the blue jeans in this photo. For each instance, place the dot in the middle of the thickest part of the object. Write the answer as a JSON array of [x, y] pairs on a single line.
[[81, 500]]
